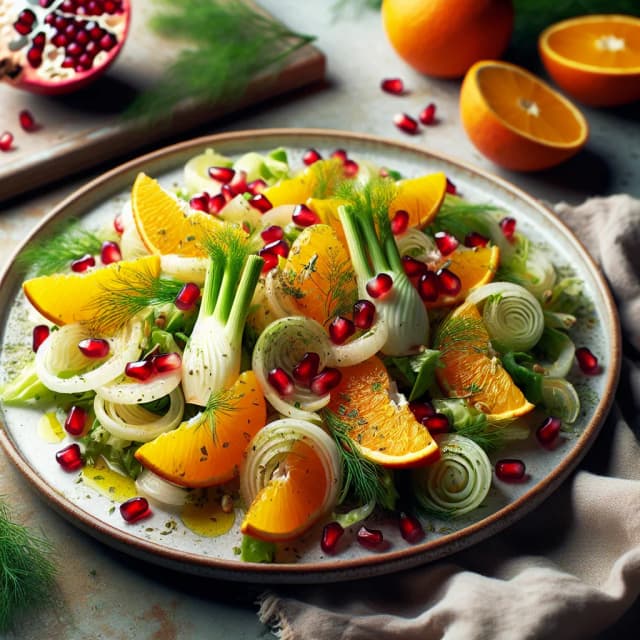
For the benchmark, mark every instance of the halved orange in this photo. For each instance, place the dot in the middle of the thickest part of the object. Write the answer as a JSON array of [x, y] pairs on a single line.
[[420, 197], [292, 500], [469, 371], [517, 120], [317, 278], [474, 266], [207, 450], [164, 226], [594, 58], [67, 298], [384, 431]]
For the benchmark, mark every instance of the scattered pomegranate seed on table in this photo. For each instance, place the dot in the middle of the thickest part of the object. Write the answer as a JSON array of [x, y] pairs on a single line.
[[510, 470], [394, 86], [410, 528], [94, 347], [445, 242], [587, 362], [379, 285], [135, 509], [305, 370], [341, 329], [370, 538], [327, 379], [405, 123], [280, 380], [428, 114], [188, 297], [331, 535], [70, 457], [547, 433], [364, 312], [6, 141], [76, 421], [27, 121]]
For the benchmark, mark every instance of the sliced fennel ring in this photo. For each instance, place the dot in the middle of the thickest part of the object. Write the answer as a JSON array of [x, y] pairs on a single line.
[[283, 344], [135, 423], [512, 315], [269, 449], [561, 399], [457, 483], [159, 490], [59, 354], [124, 392], [184, 268]]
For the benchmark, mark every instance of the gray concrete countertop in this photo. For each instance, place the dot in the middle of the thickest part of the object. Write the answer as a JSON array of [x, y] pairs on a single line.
[[108, 595]]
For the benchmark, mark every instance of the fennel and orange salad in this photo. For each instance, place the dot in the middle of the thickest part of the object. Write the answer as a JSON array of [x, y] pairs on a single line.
[[310, 344]]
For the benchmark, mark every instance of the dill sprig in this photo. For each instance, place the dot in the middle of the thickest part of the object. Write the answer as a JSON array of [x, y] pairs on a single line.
[[51, 255], [328, 177], [223, 402], [131, 292], [460, 334], [459, 218], [27, 573], [229, 44]]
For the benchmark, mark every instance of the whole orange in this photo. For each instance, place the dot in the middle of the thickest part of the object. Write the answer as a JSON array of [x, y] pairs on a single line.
[[443, 38]]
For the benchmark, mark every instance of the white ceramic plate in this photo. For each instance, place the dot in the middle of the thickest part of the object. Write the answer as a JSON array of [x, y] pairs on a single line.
[[180, 548]]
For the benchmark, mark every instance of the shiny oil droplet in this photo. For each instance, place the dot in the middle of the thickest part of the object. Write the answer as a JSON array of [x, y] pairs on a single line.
[[204, 516], [108, 482], [50, 428]]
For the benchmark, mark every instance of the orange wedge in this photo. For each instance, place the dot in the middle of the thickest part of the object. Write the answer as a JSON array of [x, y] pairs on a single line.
[[385, 432], [164, 226], [203, 453], [317, 278], [292, 500], [470, 372], [420, 198], [67, 298], [594, 58], [474, 267], [518, 121]]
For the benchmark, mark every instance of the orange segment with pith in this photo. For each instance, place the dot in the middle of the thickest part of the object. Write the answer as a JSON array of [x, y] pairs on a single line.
[[165, 227], [292, 500], [68, 298], [384, 431], [208, 449], [470, 371], [420, 197], [317, 279], [473, 266]]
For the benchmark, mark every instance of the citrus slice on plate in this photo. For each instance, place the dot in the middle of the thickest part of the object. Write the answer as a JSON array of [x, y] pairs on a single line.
[[420, 197], [386, 432], [208, 449], [472, 266], [517, 120], [67, 298], [470, 371], [164, 226], [594, 58]]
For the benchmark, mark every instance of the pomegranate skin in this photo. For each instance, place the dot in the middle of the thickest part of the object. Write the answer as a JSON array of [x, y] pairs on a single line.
[[16, 71]]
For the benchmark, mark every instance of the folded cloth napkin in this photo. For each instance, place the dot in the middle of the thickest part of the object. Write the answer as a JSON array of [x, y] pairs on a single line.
[[570, 569]]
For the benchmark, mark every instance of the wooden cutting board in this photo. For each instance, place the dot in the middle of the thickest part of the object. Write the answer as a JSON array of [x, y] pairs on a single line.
[[81, 130]]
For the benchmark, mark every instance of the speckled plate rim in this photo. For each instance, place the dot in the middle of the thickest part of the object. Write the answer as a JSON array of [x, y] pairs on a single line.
[[334, 569]]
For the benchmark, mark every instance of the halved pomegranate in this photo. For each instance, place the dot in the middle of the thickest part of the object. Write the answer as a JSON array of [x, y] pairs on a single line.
[[59, 46]]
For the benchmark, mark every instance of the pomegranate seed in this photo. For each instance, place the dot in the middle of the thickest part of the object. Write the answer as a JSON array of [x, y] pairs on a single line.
[[307, 368], [475, 239], [110, 252], [446, 242], [34, 56], [164, 362], [39, 40], [39, 334], [351, 168], [421, 410], [135, 509], [448, 282], [188, 297], [27, 121], [228, 192], [304, 217], [200, 202], [256, 186], [331, 535], [22, 28], [82, 37], [109, 6], [327, 379], [341, 329], [451, 188], [428, 114], [508, 226], [74, 49], [118, 225], [437, 423], [510, 470], [76, 421], [82, 264], [548, 431], [364, 312], [410, 528], [587, 362], [413, 267], [310, 156], [280, 380], [239, 182], [393, 85], [94, 347], [370, 538], [260, 202], [216, 203], [379, 285], [108, 41], [278, 248], [45, 4], [26, 16], [139, 370], [270, 261], [405, 123], [70, 457], [272, 234], [341, 154], [427, 286], [399, 222], [221, 174], [60, 40], [6, 141]]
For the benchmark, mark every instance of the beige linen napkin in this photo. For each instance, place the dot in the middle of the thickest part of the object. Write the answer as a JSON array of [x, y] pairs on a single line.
[[568, 570]]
